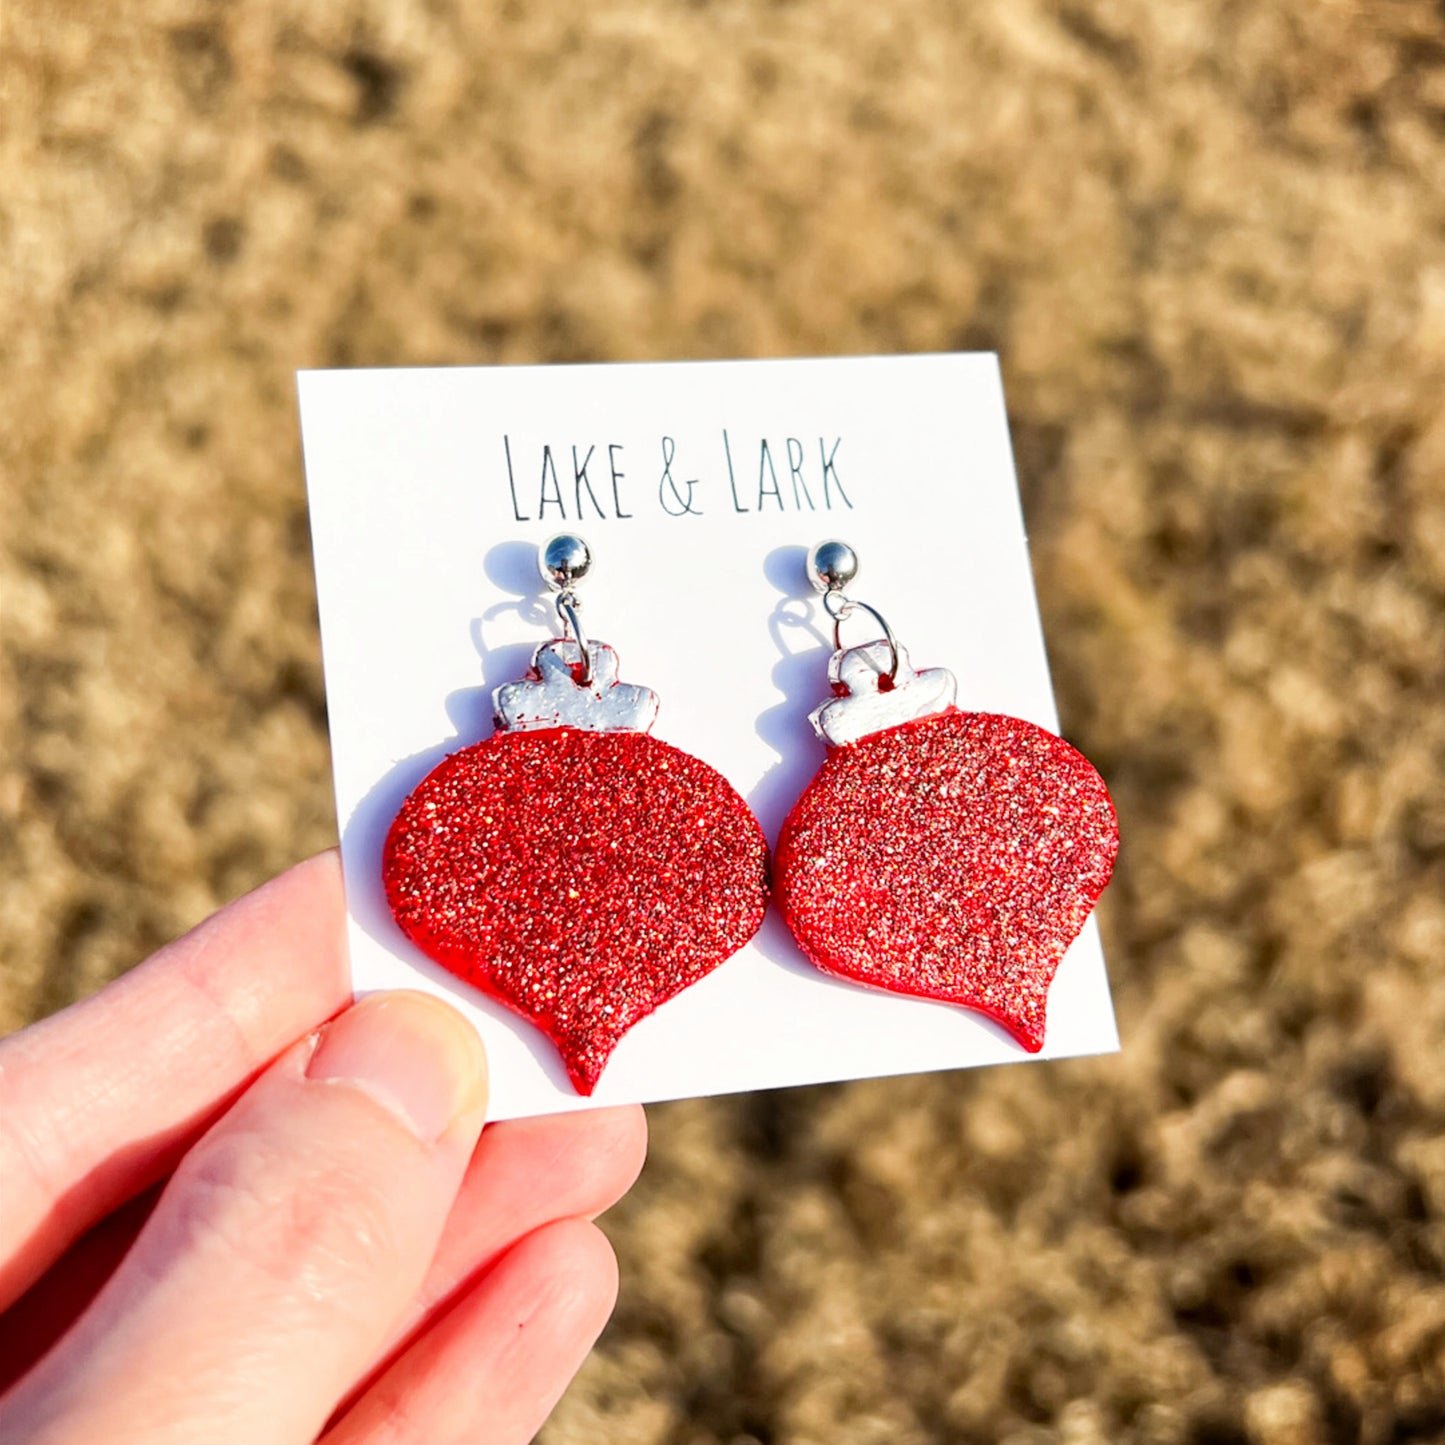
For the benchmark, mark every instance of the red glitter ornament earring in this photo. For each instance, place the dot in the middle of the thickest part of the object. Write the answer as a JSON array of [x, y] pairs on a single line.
[[946, 854], [572, 866]]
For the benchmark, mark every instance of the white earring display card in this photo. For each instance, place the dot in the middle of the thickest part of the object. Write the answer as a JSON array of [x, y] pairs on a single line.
[[699, 487]]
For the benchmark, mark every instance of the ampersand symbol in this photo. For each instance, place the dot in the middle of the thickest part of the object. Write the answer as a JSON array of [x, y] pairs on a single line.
[[679, 505]]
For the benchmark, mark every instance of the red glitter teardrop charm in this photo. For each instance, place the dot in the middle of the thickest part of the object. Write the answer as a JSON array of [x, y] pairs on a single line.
[[945, 854], [573, 867]]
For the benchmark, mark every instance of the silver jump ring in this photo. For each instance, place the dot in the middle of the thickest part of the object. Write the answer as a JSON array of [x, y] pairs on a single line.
[[838, 607], [572, 628]]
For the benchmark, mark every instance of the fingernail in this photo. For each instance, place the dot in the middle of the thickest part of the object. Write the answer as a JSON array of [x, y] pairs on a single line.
[[413, 1054]]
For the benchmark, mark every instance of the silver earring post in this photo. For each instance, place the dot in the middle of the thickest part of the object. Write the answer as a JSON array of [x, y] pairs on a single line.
[[563, 561], [874, 686], [832, 566]]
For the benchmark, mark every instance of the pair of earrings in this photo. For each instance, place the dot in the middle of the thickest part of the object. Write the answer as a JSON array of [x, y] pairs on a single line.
[[582, 872]]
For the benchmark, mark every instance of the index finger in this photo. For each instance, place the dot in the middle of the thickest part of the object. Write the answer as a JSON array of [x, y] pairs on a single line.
[[98, 1102]]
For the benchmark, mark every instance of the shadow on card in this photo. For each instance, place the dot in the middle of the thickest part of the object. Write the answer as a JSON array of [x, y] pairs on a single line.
[[801, 676]]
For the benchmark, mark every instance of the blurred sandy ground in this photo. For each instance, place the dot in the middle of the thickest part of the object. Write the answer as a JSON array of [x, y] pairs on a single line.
[[1208, 239]]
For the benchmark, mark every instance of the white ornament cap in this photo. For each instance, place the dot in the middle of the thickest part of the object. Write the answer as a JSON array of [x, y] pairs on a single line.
[[551, 697], [871, 704]]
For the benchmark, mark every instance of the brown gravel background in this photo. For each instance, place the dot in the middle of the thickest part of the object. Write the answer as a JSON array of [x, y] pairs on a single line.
[[1207, 238]]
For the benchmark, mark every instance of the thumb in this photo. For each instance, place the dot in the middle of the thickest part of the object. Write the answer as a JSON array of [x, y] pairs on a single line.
[[284, 1249]]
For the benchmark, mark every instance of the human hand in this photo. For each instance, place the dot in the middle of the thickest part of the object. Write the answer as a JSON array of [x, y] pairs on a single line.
[[234, 1228]]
